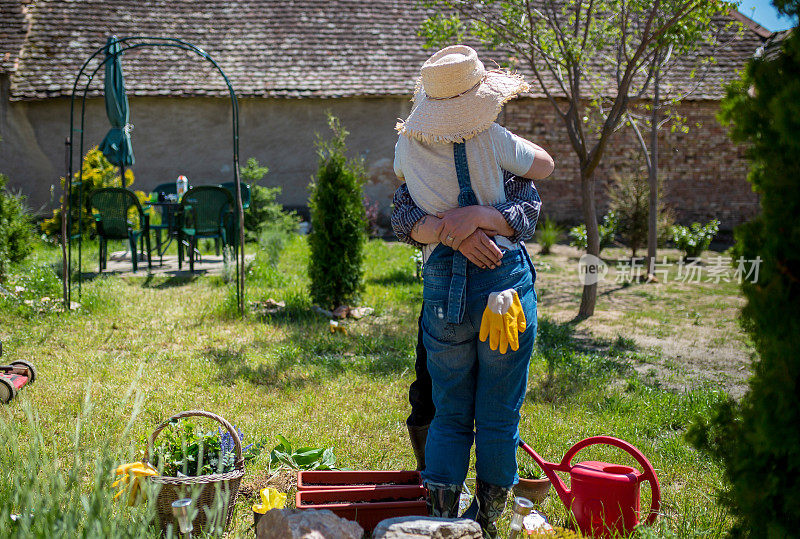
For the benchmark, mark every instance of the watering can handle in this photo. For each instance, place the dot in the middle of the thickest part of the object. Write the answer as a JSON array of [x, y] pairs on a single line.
[[648, 475]]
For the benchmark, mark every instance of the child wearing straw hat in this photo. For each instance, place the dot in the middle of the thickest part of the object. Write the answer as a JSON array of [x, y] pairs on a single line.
[[479, 302]]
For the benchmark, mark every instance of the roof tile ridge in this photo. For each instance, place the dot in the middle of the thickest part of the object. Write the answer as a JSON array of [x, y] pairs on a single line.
[[759, 30]]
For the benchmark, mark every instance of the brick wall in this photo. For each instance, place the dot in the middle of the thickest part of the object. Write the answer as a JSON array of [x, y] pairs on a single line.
[[703, 173]]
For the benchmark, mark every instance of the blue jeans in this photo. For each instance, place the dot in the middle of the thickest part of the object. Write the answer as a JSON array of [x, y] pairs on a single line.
[[475, 387]]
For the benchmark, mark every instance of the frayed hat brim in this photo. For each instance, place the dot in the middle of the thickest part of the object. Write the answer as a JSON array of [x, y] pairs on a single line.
[[461, 118]]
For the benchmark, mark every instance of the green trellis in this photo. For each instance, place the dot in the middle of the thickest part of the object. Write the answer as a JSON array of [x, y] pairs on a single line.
[[70, 211]]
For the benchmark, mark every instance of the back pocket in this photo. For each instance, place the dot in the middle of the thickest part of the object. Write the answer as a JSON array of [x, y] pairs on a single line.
[[434, 320]]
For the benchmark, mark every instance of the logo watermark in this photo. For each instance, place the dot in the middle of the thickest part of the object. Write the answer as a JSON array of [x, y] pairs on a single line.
[[591, 269]]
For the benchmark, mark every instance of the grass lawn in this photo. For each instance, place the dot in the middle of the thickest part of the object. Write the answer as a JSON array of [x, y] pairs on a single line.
[[653, 358]]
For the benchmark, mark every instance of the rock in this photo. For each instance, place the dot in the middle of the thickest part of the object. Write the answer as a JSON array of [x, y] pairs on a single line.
[[270, 306], [122, 256], [306, 524], [435, 528], [361, 312], [341, 312]]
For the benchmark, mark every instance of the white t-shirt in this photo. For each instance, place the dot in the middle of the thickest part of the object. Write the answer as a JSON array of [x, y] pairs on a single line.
[[430, 170]]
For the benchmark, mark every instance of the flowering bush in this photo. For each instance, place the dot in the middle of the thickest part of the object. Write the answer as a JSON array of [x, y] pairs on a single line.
[[608, 229], [695, 239], [98, 173]]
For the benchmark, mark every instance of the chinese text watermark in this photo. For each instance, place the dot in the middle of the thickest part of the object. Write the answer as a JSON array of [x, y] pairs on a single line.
[[592, 269]]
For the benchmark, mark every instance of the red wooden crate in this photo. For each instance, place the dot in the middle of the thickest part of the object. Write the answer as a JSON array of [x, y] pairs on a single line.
[[367, 506], [321, 480]]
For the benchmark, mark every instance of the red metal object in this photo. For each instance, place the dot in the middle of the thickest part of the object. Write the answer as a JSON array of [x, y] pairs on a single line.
[[336, 479], [13, 378], [366, 505], [604, 497]]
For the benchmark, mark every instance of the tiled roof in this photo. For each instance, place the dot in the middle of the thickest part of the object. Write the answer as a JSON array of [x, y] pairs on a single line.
[[773, 45], [13, 28], [268, 48]]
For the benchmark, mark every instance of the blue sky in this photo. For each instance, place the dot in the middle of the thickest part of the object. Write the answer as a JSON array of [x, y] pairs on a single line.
[[763, 12]]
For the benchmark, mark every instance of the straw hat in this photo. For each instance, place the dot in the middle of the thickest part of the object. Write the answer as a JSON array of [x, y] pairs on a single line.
[[456, 97]]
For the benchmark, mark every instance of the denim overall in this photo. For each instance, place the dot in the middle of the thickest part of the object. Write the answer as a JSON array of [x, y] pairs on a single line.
[[478, 392]]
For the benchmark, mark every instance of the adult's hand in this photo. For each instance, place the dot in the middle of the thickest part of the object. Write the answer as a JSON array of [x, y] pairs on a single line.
[[481, 250], [459, 223]]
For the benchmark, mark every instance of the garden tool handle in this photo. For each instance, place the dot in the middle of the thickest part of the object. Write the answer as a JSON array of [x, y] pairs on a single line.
[[648, 475], [238, 464]]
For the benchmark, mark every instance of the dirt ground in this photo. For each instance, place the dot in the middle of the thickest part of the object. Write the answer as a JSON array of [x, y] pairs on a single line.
[[691, 328]]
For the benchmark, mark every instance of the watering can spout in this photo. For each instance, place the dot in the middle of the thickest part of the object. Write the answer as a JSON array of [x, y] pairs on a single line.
[[549, 469]]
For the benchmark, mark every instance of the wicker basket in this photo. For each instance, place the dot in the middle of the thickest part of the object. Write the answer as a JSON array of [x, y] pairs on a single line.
[[203, 489]]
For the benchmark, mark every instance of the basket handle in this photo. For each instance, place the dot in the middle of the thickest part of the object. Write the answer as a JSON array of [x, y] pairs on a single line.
[[238, 464]]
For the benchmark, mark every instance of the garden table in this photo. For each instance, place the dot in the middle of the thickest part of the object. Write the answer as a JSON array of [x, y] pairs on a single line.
[[171, 214]]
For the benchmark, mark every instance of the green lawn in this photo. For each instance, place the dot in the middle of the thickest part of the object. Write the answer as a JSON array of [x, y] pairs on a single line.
[[178, 345]]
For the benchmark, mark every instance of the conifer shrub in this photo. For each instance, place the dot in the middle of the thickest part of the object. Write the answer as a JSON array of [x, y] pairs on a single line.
[[338, 222], [16, 230], [757, 438], [629, 200], [265, 214]]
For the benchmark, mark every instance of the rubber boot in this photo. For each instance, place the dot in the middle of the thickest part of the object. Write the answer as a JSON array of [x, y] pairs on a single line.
[[418, 437], [443, 499], [491, 503]]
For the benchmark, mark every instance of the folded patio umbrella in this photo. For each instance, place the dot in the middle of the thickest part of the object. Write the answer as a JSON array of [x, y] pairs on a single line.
[[116, 146]]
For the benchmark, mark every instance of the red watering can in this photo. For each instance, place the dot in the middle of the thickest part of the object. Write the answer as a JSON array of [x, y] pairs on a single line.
[[604, 497]]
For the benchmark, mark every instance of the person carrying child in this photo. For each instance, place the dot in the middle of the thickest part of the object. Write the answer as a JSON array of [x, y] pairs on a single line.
[[479, 312]]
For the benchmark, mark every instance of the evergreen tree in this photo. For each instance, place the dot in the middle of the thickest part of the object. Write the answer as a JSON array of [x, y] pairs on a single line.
[[758, 439], [265, 212], [16, 230], [338, 222]]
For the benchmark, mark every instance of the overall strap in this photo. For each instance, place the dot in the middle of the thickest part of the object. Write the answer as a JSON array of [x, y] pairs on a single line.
[[466, 196], [457, 299]]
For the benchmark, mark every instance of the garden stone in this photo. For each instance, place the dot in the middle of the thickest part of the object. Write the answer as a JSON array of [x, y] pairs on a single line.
[[435, 528], [306, 524]]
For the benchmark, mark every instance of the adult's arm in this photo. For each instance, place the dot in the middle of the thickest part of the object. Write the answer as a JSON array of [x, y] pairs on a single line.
[[412, 225], [518, 214], [515, 219]]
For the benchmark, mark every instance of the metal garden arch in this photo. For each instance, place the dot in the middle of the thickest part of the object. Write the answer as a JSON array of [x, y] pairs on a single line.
[[67, 205]]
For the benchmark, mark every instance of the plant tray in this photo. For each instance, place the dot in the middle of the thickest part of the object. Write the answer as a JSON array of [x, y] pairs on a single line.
[[367, 506], [321, 480]]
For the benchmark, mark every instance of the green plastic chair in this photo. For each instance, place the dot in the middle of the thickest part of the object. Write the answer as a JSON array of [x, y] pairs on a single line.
[[231, 186], [112, 207], [207, 213]]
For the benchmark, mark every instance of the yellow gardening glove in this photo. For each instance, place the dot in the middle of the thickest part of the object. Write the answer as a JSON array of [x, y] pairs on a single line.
[[503, 320], [133, 473], [270, 499]]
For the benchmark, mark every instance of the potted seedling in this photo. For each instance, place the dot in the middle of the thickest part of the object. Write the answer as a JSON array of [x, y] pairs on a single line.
[[532, 483]]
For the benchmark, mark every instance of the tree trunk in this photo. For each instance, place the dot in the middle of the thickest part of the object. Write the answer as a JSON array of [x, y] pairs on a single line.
[[652, 177], [589, 297]]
